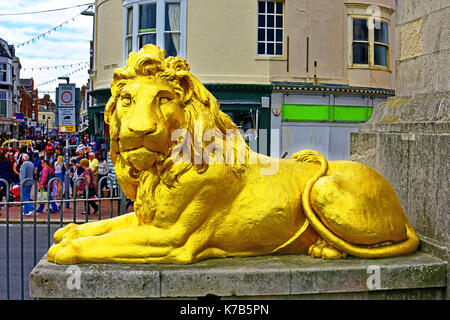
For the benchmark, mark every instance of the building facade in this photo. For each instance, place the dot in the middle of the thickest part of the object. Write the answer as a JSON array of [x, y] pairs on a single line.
[[46, 120], [297, 74], [46, 115], [336, 65], [9, 90], [29, 107]]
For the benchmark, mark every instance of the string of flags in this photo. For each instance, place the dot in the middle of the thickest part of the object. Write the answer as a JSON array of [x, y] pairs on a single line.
[[66, 75], [49, 10], [42, 35], [47, 91], [57, 67]]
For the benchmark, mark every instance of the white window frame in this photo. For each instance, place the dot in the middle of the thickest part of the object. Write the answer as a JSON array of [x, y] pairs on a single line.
[[8, 103], [372, 14], [160, 24], [7, 72], [283, 48]]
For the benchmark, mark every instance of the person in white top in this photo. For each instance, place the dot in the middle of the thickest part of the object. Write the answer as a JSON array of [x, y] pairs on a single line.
[[102, 172], [59, 173]]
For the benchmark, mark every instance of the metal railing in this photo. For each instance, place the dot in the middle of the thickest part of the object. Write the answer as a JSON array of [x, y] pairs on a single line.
[[6, 223]]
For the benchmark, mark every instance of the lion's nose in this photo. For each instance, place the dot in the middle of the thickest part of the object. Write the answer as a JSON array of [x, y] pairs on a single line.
[[142, 124], [142, 127], [141, 118]]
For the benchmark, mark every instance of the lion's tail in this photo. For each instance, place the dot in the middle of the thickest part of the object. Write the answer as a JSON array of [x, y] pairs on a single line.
[[409, 245]]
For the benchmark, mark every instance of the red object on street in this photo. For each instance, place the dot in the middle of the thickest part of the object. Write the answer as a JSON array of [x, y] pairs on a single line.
[[15, 191]]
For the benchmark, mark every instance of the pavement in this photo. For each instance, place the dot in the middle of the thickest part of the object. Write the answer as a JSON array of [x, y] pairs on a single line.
[[107, 209], [29, 237]]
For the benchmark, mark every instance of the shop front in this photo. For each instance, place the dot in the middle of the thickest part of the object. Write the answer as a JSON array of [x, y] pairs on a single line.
[[249, 108], [321, 117]]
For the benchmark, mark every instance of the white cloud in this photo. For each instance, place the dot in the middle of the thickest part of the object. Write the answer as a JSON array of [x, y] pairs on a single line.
[[66, 45]]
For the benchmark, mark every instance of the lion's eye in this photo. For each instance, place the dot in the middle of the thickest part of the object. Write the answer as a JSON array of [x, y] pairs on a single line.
[[126, 100], [164, 100]]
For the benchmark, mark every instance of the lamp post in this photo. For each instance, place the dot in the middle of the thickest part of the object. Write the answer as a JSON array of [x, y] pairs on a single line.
[[91, 58]]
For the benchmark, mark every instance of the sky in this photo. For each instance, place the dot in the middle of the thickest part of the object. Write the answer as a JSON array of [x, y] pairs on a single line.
[[67, 45]]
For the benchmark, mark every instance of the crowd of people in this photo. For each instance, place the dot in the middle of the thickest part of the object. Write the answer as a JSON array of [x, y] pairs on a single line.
[[43, 160]]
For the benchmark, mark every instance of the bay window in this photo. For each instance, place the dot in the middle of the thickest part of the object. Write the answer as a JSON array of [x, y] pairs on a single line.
[[159, 22], [129, 30], [368, 33], [147, 24], [3, 72], [381, 45], [370, 46], [4, 97]]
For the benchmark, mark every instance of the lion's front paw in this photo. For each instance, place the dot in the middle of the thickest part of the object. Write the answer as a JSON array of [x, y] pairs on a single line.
[[324, 250], [70, 231], [64, 252]]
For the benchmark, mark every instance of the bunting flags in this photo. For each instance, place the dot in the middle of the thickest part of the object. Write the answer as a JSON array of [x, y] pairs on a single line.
[[66, 75], [63, 66], [42, 35]]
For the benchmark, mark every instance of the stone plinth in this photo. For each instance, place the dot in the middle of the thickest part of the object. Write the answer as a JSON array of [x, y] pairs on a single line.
[[407, 139], [419, 275]]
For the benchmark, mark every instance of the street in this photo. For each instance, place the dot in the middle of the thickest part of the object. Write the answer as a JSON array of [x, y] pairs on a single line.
[[107, 207], [16, 282], [36, 240]]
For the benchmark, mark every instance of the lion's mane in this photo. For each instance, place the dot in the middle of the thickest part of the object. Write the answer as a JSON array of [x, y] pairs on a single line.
[[199, 105]]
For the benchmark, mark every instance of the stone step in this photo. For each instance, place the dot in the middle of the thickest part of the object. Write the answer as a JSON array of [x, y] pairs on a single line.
[[418, 275]]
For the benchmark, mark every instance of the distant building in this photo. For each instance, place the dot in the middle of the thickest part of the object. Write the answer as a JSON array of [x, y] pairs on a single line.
[[28, 106], [46, 119], [46, 114], [9, 90], [46, 102]]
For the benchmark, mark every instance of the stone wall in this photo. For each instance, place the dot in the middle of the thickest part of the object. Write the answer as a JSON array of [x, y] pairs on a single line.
[[408, 137]]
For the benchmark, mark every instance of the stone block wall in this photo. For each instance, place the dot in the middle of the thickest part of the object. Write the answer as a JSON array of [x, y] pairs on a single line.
[[408, 137]]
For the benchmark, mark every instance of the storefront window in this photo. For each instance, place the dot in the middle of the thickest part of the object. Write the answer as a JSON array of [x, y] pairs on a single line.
[[246, 122]]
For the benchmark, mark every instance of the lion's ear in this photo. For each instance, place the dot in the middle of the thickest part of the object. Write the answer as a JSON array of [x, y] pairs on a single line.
[[109, 109], [187, 86], [193, 87]]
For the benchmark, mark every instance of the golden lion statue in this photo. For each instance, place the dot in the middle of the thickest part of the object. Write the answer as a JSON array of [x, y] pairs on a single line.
[[200, 192]]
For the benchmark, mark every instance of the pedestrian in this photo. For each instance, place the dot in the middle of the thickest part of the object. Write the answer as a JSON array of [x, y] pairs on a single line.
[[47, 149], [26, 180], [102, 172], [93, 164], [53, 156], [18, 163], [59, 147], [46, 175], [30, 152], [37, 166], [80, 156], [72, 174], [89, 175], [6, 172], [93, 145], [59, 172], [11, 158]]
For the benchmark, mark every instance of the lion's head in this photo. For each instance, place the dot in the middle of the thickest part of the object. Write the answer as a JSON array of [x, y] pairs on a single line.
[[151, 98]]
